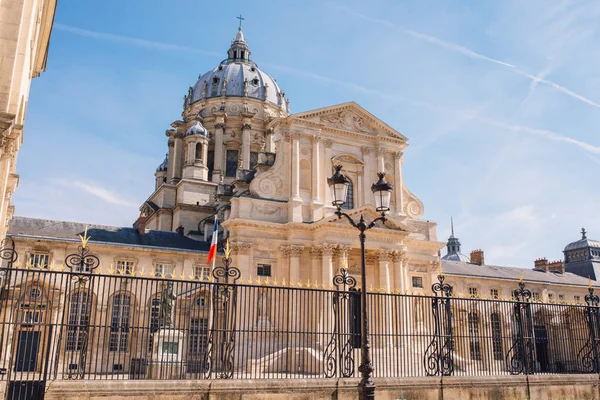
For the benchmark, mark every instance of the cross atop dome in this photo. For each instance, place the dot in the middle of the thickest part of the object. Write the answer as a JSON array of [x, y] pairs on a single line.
[[241, 19], [583, 233], [239, 50]]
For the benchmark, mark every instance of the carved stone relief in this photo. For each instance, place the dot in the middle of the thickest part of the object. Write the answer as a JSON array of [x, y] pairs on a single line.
[[346, 120]]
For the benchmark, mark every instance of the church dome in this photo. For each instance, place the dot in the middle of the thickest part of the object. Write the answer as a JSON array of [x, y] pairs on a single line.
[[197, 129], [453, 247], [163, 166], [238, 76], [582, 243]]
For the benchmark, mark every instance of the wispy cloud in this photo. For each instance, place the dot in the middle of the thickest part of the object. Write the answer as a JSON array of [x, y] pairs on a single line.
[[100, 192], [109, 197], [473, 54], [132, 41], [534, 83]]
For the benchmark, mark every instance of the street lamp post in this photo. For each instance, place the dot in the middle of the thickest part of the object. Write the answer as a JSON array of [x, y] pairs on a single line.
[[382, 192]]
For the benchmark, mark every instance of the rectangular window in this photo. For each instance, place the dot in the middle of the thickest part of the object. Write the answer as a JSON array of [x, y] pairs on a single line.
[[198, 338], [161, 270], [170, 347], [231, 163], [124, 267], [30, 317], [472, 292], [201, 273], [39, 260], [417, 282], [253, 159], [536, 296], [263, 270], [210, 163], [494, 293], [577, 299]]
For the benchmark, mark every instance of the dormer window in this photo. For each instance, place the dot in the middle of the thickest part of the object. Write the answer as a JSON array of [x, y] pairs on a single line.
[[255, 81]]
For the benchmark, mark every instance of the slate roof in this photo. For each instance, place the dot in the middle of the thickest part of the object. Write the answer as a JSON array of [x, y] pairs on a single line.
[[24, 227], [464, 269]]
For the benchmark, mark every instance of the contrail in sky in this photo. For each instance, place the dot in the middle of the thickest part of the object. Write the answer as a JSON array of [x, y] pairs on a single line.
[[514, 128], [133, 41], [470, 53]]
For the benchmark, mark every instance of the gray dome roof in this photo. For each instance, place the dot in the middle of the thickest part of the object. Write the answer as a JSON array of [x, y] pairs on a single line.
[[582, 243], [163, 166], [456, 257], [243, 78], [197, 129]]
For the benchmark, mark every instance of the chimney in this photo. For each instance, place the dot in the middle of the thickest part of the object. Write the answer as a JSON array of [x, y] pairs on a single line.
[[541, 264], [477, 257], [140, 224], [180, 230], [557, 266]]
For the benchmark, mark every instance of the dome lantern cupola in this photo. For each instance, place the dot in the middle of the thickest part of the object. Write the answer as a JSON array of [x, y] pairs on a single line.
[[453, 247], [239, 50]]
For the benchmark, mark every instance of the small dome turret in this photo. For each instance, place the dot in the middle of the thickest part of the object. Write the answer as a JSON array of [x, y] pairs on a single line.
[[163, 166], [453, 247], [197, 129]]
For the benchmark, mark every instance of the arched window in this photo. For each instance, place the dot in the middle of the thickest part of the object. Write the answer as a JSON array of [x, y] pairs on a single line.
[[215, 86], [474, 344], [497, 337], [198, 152], [119, 324], [79, 321], [349, 205]]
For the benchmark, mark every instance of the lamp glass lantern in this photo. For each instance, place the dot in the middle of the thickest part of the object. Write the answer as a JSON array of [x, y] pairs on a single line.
[[382, 191], [338, 184]]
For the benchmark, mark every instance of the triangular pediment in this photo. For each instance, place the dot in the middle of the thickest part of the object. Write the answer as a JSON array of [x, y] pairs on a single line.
[[350, 117], [368, 211]]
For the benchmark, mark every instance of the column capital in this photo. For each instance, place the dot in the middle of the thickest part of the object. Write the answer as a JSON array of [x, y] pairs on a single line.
[[315, 138], [342, 251], [292, 251], [366, 150], [241, 248], [398, 155], [178, 135], [295, 135], [328, 143], [220, 125], [385, 255], [372, 258], [327, 249], [316, 252], [246, 126], [381, 150], [171, 142], [400, 256]]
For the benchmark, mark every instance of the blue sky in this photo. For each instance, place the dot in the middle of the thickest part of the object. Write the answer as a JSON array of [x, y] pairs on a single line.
[[499, 100]]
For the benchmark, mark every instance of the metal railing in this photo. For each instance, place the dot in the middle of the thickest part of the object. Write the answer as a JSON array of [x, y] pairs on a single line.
[[78, 323]]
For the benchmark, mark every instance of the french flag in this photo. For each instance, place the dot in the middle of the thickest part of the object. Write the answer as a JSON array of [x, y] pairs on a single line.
[[213, 244]]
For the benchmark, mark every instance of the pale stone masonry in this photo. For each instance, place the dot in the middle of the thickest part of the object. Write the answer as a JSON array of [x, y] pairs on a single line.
[[25, 27]]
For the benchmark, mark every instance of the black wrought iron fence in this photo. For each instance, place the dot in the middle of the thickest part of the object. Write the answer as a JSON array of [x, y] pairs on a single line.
[[78, 323]]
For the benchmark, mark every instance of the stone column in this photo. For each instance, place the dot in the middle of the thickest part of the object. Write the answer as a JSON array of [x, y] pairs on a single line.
[[386, 311], [381, 159], [326, 322], [398, 195], [205, 153], [8, 150], [241, 259], [360, 198], [269, 147], [328, 168], [316, 256], [317, 176], [341, 255], [218, 151], [293, 252], [178, 151], [246, 128], [295, 165], [367, 175], [171, 157]]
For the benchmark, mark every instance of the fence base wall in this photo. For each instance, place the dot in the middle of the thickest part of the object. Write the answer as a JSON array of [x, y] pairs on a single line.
[[563, 387]]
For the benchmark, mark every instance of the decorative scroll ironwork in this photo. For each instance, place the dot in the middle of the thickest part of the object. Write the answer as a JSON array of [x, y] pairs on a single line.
[[519, 358], [220, 350], [439, 355], [339, 350], [8, 254], [588, 355], [83, 263]]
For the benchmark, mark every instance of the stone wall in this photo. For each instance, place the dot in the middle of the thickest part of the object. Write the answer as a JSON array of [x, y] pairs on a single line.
[[537, 387]]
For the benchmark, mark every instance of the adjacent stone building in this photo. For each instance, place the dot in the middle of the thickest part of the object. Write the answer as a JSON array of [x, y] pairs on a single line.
[[25, 27]]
